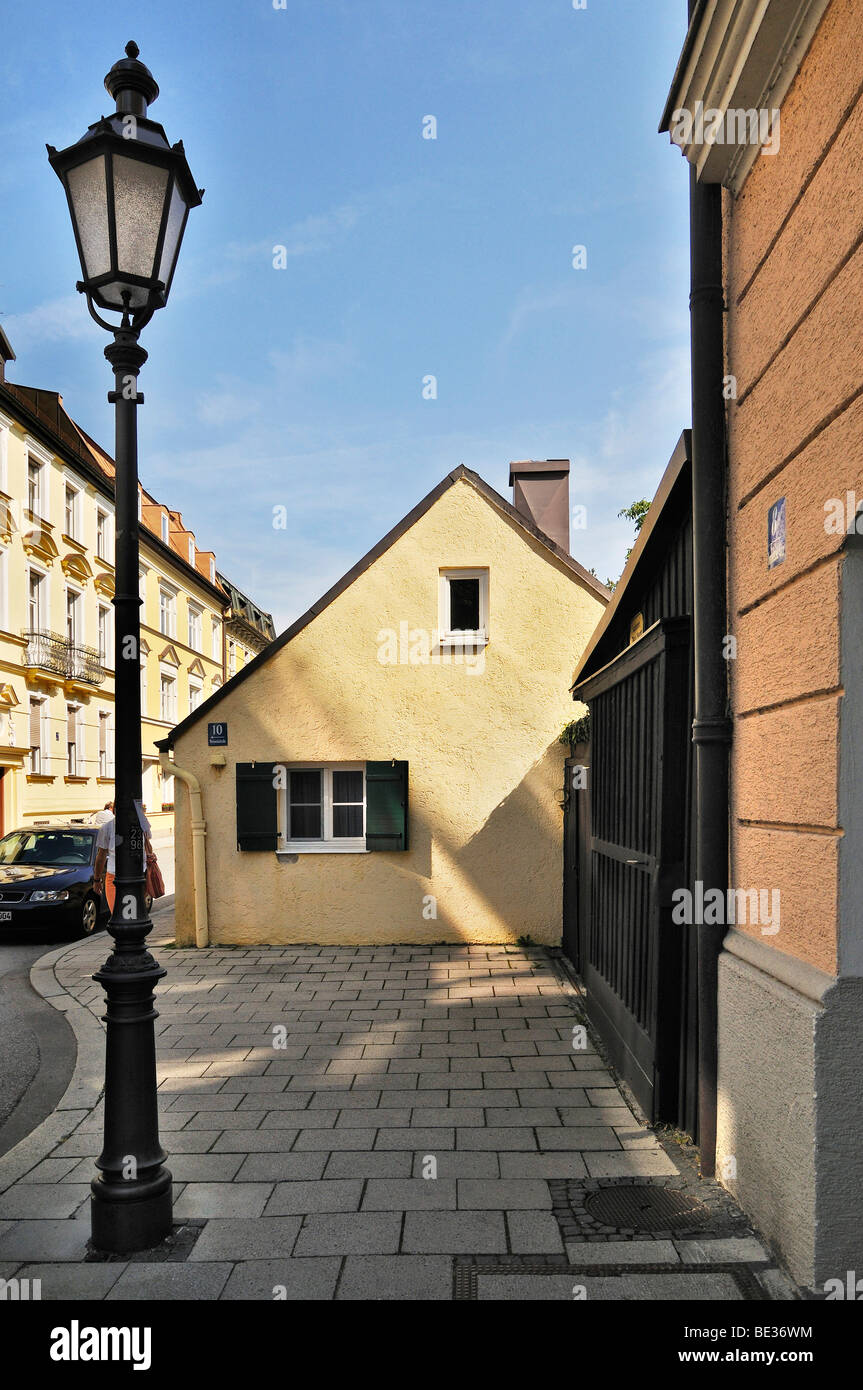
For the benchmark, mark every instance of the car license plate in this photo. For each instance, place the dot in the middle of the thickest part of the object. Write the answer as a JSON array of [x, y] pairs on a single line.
[[5, 916]]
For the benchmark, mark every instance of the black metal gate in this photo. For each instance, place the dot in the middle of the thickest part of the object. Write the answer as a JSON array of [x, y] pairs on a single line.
[[627, 849]]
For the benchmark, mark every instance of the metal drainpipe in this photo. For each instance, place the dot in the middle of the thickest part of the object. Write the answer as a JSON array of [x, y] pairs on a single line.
[[711, 727], [199, 837]]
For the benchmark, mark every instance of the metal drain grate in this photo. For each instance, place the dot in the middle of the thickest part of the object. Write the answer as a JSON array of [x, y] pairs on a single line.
[[644, 1208]]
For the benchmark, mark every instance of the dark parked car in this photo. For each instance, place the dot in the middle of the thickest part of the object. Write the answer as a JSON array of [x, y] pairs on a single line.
[[46, 879]]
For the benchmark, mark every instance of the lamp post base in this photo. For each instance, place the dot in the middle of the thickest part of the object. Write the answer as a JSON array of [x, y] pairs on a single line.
[[124, 1220]]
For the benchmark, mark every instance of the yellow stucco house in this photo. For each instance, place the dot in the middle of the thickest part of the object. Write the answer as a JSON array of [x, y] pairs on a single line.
[[388, 770]]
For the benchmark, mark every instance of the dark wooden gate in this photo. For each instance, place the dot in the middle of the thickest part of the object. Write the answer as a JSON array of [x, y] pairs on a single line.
[[627, 851]]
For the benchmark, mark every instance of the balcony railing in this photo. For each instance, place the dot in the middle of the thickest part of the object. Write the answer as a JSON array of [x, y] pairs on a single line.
[[50, 652]]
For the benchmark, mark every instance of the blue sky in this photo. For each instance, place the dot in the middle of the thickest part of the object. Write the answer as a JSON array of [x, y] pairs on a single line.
[[407, 257]]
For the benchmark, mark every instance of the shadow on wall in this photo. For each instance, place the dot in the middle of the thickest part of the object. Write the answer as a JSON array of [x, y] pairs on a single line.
[[514, 859]]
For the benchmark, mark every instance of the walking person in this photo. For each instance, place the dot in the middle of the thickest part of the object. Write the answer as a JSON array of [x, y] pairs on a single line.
[[105, 867]]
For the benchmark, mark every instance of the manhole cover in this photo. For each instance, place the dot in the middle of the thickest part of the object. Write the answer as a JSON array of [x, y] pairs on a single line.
[[644, 1208]]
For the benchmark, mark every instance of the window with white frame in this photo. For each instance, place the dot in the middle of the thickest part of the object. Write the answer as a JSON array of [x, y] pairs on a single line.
[[36, 615], [106, 745], [463, 615], [73, 617], [74, 741], [103, 534], [217, 640], [196, 691], [34, 487], [143, 682], [4, 456], [104, 635], [38, 712], [4, 590], [195, 627], [71, 509], [168, 697], [166, 528], [191, 551], [212, 571], [324, 808], [167, 612], [232, 659], [140, 505]]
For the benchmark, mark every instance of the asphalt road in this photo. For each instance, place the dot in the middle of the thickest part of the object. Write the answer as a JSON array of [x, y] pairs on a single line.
[[37, 1046]]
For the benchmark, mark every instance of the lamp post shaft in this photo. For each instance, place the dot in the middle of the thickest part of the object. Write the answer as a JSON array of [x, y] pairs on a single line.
[[131, 1206]]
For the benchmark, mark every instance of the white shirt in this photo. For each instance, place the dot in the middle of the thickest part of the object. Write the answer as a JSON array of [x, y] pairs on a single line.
[[106, 840]]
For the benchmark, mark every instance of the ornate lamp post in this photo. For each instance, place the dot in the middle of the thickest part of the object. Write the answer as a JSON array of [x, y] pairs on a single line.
[[129, 194]]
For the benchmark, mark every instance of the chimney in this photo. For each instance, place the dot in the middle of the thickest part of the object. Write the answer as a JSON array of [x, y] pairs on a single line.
[[6, 354], [540, 491]]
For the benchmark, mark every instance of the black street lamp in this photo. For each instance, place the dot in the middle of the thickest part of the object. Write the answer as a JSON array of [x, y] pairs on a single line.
[[129, 195]]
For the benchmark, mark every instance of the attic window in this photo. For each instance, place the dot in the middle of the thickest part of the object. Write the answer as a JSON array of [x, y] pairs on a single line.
[[164, 528], [463, 618]]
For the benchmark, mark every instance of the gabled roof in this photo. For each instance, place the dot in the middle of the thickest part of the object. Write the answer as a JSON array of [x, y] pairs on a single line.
[[577, 571]]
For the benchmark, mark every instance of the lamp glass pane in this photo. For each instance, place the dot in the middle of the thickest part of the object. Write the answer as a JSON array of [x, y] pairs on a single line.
[[139, 197], [173, 231], [90, 211]]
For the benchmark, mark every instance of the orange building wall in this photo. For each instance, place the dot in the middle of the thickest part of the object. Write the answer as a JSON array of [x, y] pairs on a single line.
[[794, 284]]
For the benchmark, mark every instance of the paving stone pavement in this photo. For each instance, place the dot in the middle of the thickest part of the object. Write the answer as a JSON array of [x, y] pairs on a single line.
[[363, 1122]]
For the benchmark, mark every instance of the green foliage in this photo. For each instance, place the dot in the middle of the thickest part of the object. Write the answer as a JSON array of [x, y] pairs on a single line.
[[637, 512], [576, 731]]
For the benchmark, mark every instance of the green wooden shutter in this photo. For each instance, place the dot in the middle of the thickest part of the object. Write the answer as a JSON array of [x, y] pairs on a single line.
[[387, 806], [257, 821]]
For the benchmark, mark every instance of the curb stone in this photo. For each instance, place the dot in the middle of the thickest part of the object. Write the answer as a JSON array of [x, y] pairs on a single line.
[[87, 1082]]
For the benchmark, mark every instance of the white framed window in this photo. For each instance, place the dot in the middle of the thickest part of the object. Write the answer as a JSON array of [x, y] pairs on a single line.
[[167, 612], [166, 528], [37, 615], [463, 609], [144, 683], [196, 691], [217, 640], [323, 809], [232, 659], [105, 631], [195, 628], [212, 571], [38, 712], [142, 589], [73, 617], [103, 534], [71, 511], [4, 590], [217, 681], [140, 505], [4, 457], [74, 741], [167, 697], [34, 486], [191, 550], [106, 744]]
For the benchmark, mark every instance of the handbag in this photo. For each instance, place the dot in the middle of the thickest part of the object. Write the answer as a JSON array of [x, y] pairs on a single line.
[[155, 884]]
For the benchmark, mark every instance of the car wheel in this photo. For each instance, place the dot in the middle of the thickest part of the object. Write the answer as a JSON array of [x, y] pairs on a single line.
[[89, 915]]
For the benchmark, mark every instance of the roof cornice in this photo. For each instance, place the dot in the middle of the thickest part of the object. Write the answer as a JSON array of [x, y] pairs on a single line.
[[17, 407], [739, 56]]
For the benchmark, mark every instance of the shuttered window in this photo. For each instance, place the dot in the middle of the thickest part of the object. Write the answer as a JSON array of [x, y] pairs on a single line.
[[36, 735], [257, 821], [72, 740], [386, 806]]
